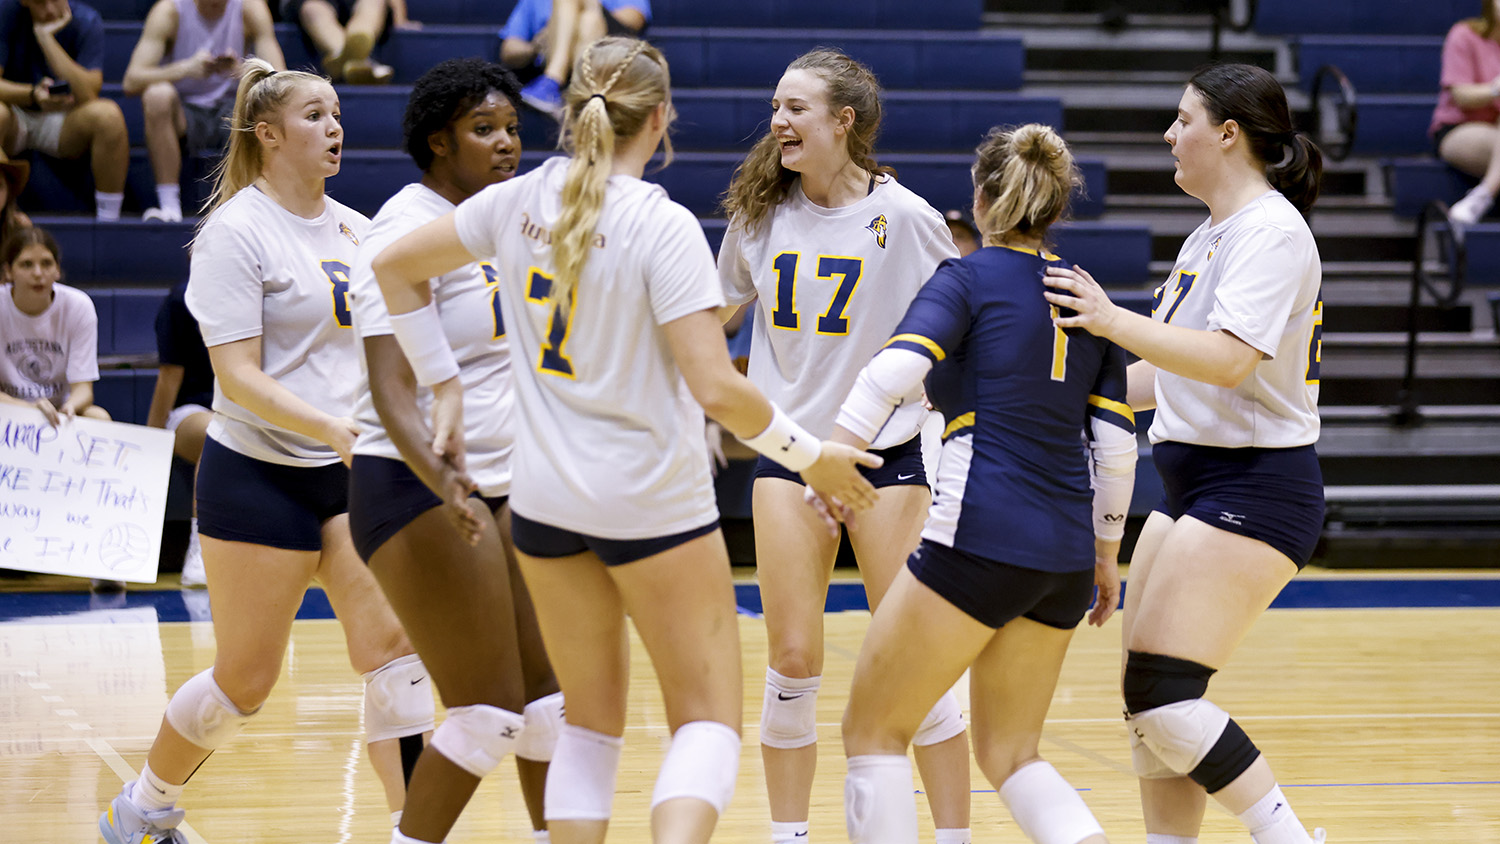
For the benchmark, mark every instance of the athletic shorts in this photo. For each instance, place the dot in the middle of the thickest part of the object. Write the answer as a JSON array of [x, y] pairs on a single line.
[[535, 539], [994, 593], [903, 467], [385, 496], [241, 499], [208, 126], [181, 413], [36, 129], [1271, 494]]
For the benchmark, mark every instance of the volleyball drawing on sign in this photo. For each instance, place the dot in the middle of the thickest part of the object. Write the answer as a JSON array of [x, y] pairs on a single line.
[[124, 548]]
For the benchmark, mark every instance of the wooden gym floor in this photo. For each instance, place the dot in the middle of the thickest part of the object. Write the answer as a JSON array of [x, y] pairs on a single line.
[[1377, 700]]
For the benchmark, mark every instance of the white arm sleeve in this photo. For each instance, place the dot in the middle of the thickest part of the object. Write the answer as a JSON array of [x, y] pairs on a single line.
[[1112, 455], [881, 386]]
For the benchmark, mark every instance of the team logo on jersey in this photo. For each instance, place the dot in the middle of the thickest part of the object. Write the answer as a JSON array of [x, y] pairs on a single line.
[[877, 228], [1213, 247], [349, 233]]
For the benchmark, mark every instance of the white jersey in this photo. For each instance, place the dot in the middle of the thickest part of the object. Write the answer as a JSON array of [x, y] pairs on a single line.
[[1257, 276], [47, 353], [833, 283], [258, 270], [609, 442], [468, 301]]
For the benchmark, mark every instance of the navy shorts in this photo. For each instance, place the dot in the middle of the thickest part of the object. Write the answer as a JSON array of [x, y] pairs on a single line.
[[385, 496], [994, 593], [241, 499], [903, 467], [1271, 494], [535, 539]]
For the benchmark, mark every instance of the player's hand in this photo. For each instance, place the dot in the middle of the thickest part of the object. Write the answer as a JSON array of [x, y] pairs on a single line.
[[831, 511], [448, 423], [340, 435], [835, 475], [1107, 579], [455, 488], [48, 411], [1075, 290]]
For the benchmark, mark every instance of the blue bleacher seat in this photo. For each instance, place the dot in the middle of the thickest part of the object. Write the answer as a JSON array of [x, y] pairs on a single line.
[[1413, 182], [129, 251], [125, 393], [1115, 254], [1394, 124], [1394, 17], [801, 14], [104, 308], [1376, 64], [135, 319]]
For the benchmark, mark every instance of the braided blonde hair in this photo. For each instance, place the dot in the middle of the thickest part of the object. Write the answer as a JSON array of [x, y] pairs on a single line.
[[262, 93], [1025, 175], [617, 83]]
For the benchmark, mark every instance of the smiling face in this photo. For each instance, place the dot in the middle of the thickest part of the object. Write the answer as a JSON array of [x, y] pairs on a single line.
[[307, 132], [812, 137], [33, 273], [483, 145], [1197, 144]]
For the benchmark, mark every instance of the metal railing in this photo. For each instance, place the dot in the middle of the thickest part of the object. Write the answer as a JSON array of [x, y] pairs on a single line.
[[1335, 112], [1449, 253]]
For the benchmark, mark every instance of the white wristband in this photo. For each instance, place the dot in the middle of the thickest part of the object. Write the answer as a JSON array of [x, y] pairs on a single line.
[[420, 335], [786, 442]]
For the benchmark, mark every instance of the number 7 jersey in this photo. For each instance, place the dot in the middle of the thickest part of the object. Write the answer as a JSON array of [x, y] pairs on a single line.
[[832, 284]]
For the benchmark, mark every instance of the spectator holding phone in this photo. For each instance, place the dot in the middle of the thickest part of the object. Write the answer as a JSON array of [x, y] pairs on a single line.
[[51, 71], [184, 71]]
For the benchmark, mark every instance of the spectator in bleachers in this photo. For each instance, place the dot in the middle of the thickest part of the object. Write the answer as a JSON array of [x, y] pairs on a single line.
[[13, 175], [344, 32], [52, 55], [1464, 129], [50, 332], [184, 393], [183, 69], [965, 236], [545, 35]]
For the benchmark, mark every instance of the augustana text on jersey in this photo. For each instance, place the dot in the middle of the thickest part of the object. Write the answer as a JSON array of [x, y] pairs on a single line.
[[542, 234]]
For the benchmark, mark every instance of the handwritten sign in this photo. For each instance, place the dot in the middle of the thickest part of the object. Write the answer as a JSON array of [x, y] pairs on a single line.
[[84, 499]]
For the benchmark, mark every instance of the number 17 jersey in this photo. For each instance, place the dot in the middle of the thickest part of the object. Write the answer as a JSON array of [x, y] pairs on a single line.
[[832, 284]]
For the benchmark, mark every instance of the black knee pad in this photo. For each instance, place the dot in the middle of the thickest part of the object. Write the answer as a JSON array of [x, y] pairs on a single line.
[[1231, 755], [1153, 680]]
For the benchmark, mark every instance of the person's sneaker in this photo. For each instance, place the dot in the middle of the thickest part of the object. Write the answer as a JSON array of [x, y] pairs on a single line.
[[368, 72], [1472, 208], [162, 215], [100, 584], [193, 576], [123, 823], [1320, 835], [545, 95]]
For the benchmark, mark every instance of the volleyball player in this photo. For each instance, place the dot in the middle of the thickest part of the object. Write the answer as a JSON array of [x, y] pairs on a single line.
[[834, 248], [1010, 554], [609, 291], [464, 605], [1230, 362], [268, 286]]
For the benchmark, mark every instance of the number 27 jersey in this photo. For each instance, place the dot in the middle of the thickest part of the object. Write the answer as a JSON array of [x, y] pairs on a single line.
[[832, 284]]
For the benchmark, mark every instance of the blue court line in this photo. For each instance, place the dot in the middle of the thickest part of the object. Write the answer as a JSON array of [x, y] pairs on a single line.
[[1299, 594]]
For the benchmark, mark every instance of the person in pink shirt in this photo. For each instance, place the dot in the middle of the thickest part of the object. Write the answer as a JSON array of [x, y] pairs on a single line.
[[1464, 124]]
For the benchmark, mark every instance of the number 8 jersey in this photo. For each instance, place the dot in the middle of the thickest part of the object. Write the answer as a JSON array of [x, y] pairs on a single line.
[[1257, 276], [833, 283], [258, 270]]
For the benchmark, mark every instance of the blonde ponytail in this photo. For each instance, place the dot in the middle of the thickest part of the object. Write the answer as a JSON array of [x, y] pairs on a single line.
[[617, 83], [262, 93], [1025, 176]]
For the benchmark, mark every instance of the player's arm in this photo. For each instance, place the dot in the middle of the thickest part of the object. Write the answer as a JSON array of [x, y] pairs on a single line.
[[260, 29], [237, 368], [1140, 392], [168, 385], [146, 68], [1110, 436]]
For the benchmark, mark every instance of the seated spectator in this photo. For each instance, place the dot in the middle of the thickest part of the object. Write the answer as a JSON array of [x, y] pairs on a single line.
[[344, 32], [965, 236], [50, 332], [1464, 127], [184, 69], [13, 175], [184, 393], [51, 71], [547, 34]]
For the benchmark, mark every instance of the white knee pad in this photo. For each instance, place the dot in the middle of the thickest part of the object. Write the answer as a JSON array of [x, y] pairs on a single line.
[[944, 721], [478, 737], [201, 713], [1181, 733], [879, 806], [544, 717], [789, 714], [581, 779], [398, 700], [1147, 765], [703, 762], [1046, 808]]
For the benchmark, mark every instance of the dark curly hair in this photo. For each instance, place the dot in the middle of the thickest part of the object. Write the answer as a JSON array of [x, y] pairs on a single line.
[[445, 92]]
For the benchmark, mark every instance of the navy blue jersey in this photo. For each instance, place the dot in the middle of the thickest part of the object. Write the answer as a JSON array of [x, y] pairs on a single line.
[[1016, 394]]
